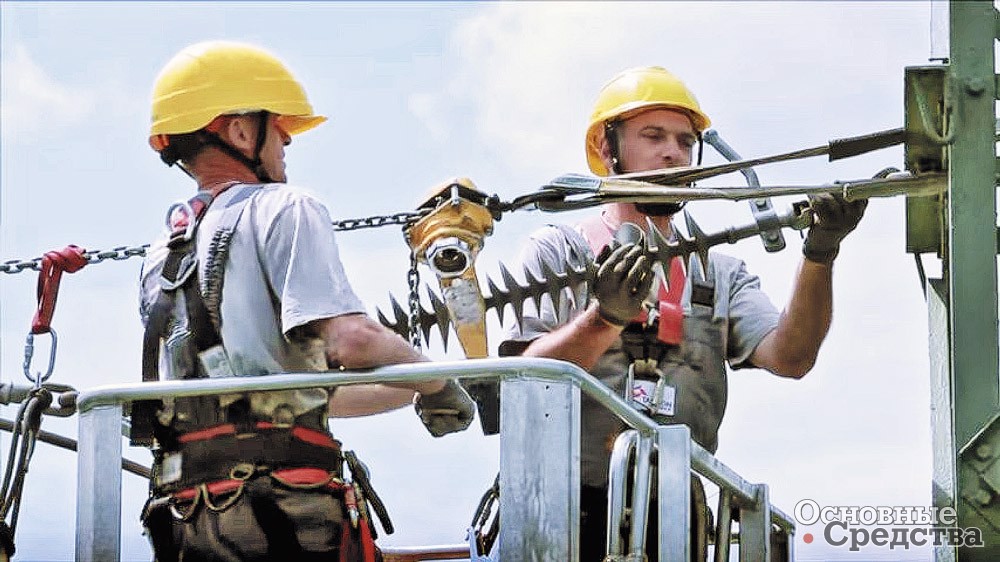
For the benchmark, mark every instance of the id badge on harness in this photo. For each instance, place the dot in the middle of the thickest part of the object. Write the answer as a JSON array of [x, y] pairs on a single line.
[[649, 389]]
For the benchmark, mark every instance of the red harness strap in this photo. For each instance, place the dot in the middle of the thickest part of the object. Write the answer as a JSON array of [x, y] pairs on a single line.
[[304, 477], [308, 478], [311, 436], [671, 325], [296, 477], [70, 259], [671, 314]]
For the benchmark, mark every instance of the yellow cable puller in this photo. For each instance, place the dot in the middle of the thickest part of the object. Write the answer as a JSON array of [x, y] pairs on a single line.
[[448, 240]]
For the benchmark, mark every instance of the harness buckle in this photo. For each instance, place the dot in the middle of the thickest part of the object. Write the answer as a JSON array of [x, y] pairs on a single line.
[[187, 218], [242, 471]]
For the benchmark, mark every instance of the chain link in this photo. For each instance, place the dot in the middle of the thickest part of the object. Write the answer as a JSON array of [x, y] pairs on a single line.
[[116, 254], [125, 252], [94, 256], [413, 281], [15, 266], [403, 219]]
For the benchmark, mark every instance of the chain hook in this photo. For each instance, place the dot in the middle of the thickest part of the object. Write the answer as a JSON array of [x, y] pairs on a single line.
[[29, 352]]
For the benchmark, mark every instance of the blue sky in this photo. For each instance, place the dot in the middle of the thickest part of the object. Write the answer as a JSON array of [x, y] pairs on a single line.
[[497, 92]]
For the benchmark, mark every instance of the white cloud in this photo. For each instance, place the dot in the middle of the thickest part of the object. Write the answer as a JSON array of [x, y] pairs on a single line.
[[532, 70], [426, 108], [34, 102]]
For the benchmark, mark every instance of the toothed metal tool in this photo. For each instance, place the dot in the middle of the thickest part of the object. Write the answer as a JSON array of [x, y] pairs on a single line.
[[515, 293]]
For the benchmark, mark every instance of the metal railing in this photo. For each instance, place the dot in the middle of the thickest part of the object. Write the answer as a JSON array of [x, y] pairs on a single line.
[[677, 458], [539, 451]]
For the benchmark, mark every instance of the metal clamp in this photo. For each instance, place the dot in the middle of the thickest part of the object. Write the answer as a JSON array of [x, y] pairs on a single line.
[[763, 212]]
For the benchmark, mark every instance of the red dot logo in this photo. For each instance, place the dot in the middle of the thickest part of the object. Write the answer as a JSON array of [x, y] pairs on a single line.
[[807, 538]]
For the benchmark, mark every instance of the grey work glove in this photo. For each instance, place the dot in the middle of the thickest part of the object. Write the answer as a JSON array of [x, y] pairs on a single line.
[[446, 411], [833, 219], [622, 282]]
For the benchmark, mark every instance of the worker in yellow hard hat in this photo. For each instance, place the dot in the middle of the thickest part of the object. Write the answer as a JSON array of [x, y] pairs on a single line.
[[249, 282], [662, 334], [637, 91], [209, 85]]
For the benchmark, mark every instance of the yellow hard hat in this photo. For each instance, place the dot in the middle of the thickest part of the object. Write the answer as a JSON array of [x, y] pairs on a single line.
[[215, 78], [633, 90]]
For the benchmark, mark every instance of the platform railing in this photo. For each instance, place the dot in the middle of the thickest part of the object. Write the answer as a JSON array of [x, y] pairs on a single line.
[[539, 449], [676, 459]]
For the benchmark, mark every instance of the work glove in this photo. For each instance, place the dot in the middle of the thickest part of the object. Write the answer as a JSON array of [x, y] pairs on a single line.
[[833, 219], [622, 282], [446, 411]]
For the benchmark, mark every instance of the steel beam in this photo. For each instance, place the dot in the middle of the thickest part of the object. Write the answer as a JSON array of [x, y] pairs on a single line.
[[970, 265], [972, 241]]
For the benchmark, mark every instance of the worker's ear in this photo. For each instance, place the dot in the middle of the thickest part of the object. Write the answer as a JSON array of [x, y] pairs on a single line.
[[604, 149], [240, 131]]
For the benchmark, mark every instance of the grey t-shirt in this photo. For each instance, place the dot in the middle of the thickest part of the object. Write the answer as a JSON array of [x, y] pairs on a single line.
[[730, 316], [283, 271]]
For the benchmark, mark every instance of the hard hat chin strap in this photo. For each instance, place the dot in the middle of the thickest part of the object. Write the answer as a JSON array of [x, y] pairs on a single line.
[[255, 165], [177, 149], [611, 136]]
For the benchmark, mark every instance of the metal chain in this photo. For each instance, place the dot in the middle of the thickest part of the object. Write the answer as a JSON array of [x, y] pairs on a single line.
[[413, 280], [124, 252], [117, 254], [15, 266], [93, 256], [403, 219]]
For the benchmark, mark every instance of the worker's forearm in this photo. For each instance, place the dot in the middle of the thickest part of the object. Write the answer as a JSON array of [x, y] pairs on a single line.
[[357, 342], [582, 342], [791, 349], [367, 399]]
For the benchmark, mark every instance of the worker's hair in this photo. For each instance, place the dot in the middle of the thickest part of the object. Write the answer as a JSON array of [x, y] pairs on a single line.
[[183, 147]]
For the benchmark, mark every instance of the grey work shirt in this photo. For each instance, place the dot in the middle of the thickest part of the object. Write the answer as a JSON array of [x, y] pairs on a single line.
[[282, 271], [728, 329]]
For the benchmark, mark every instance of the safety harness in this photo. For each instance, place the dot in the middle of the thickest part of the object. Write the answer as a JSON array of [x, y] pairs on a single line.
[[669, 315], [652, 333], [180, 319], [205, 450]]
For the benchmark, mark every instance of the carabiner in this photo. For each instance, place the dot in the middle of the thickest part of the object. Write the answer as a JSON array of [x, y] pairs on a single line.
[[29, 351], [184, 207]]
